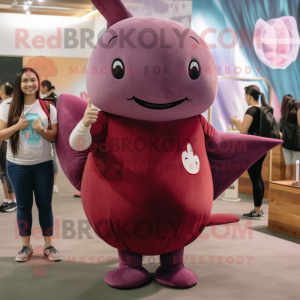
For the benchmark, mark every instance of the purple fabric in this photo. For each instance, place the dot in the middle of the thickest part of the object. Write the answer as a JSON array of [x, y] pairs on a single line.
[[230, 155], [130, 273], [70, 111], [112, 10], [172, 271]]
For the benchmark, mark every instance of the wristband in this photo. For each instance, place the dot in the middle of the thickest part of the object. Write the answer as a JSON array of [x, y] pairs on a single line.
[[43, 130]]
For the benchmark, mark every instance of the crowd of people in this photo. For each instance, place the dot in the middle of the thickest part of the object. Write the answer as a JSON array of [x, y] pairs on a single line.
[[28, 162]]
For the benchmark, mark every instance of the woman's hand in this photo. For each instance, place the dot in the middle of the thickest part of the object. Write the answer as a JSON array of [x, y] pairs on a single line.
[[90, 115], [22, 124], [37, 125], [233, 120]]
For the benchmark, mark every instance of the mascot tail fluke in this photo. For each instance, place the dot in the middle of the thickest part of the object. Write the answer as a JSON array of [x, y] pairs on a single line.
[[219, 219], [70, 111]]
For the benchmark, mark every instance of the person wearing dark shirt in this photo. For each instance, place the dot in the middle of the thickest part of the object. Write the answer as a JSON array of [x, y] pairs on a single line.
[[289, 125], [251, 125], [47, 89]]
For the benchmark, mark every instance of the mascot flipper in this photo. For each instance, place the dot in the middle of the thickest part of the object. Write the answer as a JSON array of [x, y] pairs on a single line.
[[230, 155]]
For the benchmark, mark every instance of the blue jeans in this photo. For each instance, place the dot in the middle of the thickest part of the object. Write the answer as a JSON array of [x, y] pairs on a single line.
[[26, 180]]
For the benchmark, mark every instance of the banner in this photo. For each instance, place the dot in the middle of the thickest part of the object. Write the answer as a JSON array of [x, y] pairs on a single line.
[[250, 39]]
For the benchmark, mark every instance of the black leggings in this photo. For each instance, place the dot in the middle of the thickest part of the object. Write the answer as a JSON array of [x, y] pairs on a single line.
[[258, 184]]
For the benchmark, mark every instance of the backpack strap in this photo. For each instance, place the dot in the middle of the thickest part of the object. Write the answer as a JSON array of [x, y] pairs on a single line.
[[46, 108]]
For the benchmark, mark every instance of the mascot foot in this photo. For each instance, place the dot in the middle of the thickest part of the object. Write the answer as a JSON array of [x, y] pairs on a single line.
[[130, 273], [173, 273]]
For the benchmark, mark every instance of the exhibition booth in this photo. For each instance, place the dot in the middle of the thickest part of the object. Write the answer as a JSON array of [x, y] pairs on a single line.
[[153, 98]]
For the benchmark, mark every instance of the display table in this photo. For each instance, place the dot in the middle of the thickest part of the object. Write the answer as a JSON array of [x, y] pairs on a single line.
[[284, 208]]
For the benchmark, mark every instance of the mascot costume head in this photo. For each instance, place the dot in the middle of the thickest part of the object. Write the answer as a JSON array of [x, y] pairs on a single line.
[[155, 165]]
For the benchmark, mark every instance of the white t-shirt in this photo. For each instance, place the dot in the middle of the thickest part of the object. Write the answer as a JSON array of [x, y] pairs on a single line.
[[33, 148]]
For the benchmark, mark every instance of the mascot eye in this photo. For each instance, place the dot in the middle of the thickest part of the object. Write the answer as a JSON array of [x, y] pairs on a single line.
[[118, 68], [194, 69]]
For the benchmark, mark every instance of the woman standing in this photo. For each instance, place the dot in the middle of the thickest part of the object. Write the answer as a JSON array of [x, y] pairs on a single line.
[[48, 89], [289, 125], [9, 204], [251, 125], [30, 129]]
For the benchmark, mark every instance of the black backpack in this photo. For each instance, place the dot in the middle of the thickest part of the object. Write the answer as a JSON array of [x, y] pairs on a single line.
[[268, 126], [290, 132]]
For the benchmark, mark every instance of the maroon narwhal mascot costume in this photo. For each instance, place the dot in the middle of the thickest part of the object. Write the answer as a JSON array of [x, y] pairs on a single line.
[[153, 164]]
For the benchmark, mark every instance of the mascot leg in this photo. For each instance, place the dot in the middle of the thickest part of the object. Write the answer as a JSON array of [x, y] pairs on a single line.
[[130, 273], [172, 271]]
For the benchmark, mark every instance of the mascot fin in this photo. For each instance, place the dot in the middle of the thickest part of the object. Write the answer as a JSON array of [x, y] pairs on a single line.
[[230, 155], [70, 111], [219, 219]]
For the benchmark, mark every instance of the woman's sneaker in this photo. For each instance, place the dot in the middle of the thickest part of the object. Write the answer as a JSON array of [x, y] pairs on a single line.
[[253, 215], [261, 212], [55, 189], [3, 206], [24, 254], [52, 253], [10, 207]]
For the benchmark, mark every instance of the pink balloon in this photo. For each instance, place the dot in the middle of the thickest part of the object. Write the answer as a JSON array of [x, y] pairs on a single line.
[[276, 42]]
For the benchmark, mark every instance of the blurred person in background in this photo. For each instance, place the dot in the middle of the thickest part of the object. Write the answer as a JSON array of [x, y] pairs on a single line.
[[289, 126], [48, 89], [284, 102], [9, 204]]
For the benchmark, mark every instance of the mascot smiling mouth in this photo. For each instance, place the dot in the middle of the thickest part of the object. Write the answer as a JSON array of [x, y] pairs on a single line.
[[157, 106]]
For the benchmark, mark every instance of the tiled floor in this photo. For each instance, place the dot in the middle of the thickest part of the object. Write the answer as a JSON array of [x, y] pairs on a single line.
[[245, 261]]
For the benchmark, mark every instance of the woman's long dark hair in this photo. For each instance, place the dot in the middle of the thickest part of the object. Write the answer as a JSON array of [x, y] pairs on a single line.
[[16, 107], [291, 111], [254, 91], [285, 99]]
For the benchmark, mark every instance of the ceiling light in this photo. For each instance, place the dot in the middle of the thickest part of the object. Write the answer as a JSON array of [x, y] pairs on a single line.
[[92, 13], [29, 2], [28, 12], [25, 7]]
